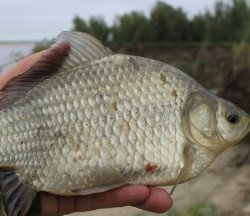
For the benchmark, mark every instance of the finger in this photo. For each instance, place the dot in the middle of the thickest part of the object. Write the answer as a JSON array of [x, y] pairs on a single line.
[[53, 205], [129, 195], [124, 196], [147, 198], [19, 68], [66, 205], [158, 201], [49, 204]]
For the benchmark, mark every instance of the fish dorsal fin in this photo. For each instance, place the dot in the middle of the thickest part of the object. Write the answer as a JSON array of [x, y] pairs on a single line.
[[47, 66], [83, 49], [71, 49], [17, 198]]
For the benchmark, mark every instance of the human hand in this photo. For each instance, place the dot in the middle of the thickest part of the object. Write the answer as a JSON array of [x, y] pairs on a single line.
[[144, 197], [147, 198]]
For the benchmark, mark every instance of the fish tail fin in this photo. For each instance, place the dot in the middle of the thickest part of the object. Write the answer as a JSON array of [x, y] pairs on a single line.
[[2, 206], [15, 197]]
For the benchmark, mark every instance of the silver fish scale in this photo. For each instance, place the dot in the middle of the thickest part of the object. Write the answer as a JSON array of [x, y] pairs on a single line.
[[116, 120]]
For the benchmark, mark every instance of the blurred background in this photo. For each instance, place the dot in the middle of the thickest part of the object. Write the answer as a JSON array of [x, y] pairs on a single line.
[[209, 40]]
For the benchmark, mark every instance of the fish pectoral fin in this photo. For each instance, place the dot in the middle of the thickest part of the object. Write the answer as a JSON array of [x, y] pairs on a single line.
[[97, 189], [17, 198], [84, 48], [189, 153]]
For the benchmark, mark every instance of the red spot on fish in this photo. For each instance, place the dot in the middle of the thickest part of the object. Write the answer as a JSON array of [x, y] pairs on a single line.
[[150, 167]]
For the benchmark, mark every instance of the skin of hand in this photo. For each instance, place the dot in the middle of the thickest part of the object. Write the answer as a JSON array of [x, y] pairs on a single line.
[[144, 197]]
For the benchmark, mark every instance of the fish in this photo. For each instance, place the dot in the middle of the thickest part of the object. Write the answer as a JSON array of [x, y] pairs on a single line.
[[85, 120]]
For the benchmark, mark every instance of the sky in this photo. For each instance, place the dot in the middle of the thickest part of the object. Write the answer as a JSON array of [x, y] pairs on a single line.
[[39, 19]]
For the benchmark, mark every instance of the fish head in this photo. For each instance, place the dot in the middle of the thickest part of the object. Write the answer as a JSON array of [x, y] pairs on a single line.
[[232, 123], [213, 122]]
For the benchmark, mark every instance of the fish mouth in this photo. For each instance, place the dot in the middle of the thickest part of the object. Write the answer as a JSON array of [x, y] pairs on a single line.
[[247, 130]]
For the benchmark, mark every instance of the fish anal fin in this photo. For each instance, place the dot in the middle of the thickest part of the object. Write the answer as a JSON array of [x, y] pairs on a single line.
[[189, 153], [16, 197], [47, 66]]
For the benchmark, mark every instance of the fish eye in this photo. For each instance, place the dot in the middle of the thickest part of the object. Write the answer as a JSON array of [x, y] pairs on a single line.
[[233, 118]]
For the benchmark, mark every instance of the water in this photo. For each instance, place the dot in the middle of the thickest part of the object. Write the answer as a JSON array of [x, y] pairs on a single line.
[[11, 52]]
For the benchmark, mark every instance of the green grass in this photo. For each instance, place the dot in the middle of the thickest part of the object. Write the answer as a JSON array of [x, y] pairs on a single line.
[[191, 44], [198, 209]]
